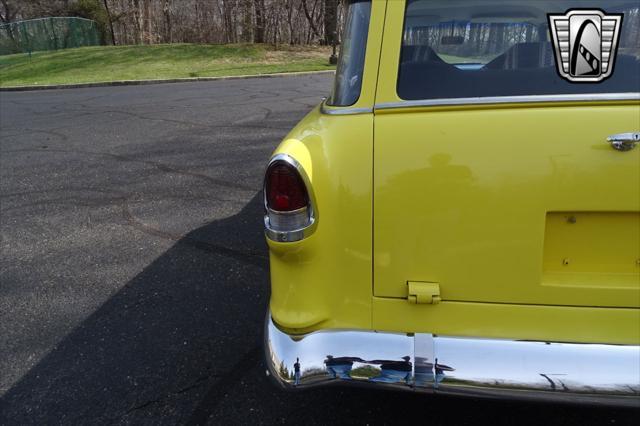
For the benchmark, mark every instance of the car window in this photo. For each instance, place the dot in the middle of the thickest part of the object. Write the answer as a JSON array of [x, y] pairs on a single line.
[[348, 82], [480, 48]]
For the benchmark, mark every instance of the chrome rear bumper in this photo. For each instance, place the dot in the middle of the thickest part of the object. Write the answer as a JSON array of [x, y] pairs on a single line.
[[592, 373]]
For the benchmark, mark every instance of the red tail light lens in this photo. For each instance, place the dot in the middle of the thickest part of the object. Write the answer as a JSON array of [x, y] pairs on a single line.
[[289, 214], [285, 190]]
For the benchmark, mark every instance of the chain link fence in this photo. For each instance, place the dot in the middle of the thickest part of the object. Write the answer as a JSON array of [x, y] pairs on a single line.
[[48, 34]]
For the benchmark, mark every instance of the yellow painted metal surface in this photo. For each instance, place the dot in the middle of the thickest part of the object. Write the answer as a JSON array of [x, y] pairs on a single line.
[[476, 199], [462, 197], [505, 321], [423, 293], [592, 249], [324, 280]]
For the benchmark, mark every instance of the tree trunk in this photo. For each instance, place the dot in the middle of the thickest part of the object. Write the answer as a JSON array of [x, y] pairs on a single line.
[[139, 25], [166, 10], [247, 21], [258, 36], [310, 17], [330, 21], [290, 20], [147, 21], [113, 34], [10, 12]]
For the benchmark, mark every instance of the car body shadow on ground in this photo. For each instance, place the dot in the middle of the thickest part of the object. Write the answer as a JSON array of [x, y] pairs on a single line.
[[174, 330]]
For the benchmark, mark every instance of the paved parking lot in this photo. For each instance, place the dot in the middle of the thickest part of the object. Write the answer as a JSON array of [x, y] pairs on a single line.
[[134, 275]]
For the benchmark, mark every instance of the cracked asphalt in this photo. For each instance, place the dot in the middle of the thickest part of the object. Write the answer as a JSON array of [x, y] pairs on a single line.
[[134, 275]]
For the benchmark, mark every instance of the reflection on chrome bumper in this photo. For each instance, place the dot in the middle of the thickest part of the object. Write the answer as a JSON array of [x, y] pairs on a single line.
[[595, 373]]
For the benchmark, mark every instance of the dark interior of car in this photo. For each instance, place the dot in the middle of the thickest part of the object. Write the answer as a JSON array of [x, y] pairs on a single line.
[[523, 69]]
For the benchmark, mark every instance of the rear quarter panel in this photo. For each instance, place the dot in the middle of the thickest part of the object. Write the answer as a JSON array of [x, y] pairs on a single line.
[[324, 281]]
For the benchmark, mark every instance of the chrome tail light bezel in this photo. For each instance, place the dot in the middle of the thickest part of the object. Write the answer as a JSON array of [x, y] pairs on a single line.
[[287, 227]]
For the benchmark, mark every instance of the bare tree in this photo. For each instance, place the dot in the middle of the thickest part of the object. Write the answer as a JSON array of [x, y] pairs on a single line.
[[110, 18], [310, 16], [330, 20], [199, 21], [166, 11], [9, 11], [260, 11]]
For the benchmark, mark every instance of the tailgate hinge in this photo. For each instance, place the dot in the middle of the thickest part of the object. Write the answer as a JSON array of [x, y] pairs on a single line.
[[423, 292]]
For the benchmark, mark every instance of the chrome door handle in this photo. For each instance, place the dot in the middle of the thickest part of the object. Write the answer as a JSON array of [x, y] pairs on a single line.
[[624, 141]]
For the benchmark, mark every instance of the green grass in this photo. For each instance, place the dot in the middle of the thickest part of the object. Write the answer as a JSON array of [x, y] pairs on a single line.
[[111, 63], [451, 59]]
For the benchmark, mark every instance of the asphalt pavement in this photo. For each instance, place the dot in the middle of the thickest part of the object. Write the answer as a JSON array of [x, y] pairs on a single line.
[[134, 275]]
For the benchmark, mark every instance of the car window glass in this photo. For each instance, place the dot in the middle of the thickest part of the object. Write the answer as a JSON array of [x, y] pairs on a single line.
[[348, 80], [480, 48]]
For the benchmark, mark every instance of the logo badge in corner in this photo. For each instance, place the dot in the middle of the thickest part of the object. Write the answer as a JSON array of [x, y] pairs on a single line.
[[585, 44]]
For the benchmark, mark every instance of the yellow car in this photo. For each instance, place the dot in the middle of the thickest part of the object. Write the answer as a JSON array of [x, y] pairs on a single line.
[[462, 214]]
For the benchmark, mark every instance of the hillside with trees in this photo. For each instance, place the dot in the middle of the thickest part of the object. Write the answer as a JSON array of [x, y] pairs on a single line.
[[124, 22]]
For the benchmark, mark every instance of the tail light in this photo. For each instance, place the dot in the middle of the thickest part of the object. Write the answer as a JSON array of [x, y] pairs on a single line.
[[288, 207]]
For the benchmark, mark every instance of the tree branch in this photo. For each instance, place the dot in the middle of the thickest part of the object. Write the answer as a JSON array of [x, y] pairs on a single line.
[[309, 18]]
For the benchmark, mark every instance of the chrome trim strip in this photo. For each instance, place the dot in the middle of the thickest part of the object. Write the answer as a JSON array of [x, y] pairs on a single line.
[[287, 236], [590, 373], [295, 234], [329, 110], [590, 97]]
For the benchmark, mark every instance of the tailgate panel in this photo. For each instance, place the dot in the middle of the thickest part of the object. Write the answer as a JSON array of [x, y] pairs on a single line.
[[479, 200]]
